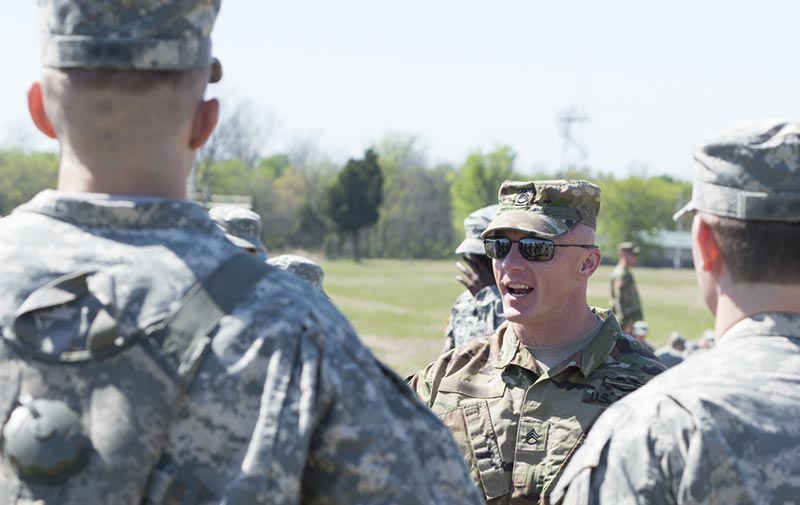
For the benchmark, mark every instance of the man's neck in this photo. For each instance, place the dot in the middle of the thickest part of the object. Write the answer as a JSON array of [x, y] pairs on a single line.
[[740, 301], [122, 177], [558, 331]]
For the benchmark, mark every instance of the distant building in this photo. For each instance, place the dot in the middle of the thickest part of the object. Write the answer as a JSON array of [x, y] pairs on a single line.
[[675, 247]]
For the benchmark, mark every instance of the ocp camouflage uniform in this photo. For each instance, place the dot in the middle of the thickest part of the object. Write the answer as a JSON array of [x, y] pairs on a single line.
[[517, 426], [625, 301], [287, 406], [473, 316], [720, 428]]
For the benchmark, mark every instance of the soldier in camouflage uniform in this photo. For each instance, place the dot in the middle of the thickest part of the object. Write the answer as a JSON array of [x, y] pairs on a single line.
[[109, 391], [721, 427], [478, 311], [241, 226], [520, 401], [625, 300]]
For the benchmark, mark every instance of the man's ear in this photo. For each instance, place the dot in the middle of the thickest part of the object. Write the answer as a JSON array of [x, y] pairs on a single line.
[[204, 120], [591, 262], [708, 247], [36, 109]]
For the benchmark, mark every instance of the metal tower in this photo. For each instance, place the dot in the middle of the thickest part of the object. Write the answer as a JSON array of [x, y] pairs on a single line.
[[573, 148]]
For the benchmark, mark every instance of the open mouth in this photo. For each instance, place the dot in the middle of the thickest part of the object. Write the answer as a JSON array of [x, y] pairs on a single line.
[[518, 290]]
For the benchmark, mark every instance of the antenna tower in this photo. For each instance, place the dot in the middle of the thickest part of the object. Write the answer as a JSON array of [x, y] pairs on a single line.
[[573, 149]]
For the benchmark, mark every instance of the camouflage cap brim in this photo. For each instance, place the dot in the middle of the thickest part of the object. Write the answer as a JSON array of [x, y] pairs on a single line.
[[246, 244], [470, 246], [529, 222]]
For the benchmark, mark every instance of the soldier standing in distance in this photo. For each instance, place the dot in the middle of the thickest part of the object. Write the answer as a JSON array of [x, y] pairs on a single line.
[[110, 391], [520, 401], [624, 296], [722, 427], [478, 310]]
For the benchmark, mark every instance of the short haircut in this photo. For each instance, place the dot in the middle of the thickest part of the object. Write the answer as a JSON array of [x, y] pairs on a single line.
[[759, 251], [132, 80]]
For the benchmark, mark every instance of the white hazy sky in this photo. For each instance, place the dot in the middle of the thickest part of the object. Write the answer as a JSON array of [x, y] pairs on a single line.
[[654, 76]]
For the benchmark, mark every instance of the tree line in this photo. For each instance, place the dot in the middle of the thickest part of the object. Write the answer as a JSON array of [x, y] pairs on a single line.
[[389, 203]]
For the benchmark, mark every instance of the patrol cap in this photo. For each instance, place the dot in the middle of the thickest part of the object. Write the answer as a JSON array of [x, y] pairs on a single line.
[[303, 267], [628, 247], [545, 208], [750, 172], [149, 35], [241, 226], [474, 224], [640, 328], [675, 338]]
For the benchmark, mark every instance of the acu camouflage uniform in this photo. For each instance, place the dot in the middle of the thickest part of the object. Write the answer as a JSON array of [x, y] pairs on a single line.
[[516, 425], [286, 406], [721, 428], [473, 316]]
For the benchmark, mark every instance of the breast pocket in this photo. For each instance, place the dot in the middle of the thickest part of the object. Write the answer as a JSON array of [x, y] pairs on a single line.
[[473, 428]]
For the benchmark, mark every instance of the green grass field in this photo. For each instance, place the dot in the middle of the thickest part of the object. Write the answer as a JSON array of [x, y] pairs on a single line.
[[399, 308]]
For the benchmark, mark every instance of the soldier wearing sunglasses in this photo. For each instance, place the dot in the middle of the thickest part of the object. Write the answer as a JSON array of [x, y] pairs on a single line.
[[520, 402]]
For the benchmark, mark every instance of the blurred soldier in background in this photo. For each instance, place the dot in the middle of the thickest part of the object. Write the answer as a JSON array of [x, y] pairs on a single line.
[[674, 352], [242, 227], [478, 311], [722, 427], [624, 296], [307, 269], [640, 330], [145, 358], [520, 402]]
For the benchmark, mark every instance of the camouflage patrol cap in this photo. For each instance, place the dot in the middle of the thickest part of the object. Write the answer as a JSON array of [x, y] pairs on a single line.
[[307, 269], [545, 208], [241, 226], [474, 224], [628, 247], [129, 34], [750, 172]]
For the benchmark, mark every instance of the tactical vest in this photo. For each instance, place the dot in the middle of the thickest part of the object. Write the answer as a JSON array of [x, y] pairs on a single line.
[[88, 425]]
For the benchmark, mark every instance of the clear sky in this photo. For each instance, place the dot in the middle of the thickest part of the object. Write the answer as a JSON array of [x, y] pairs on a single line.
[[653, 76]]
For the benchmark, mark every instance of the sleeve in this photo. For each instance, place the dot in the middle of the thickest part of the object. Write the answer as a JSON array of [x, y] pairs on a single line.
[[631, 456]]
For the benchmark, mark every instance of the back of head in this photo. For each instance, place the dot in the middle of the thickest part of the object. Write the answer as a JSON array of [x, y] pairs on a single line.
[[122, 70], [747, 189]]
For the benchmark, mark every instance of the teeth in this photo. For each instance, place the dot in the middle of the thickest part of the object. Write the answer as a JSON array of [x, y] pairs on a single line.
[[519, 286]]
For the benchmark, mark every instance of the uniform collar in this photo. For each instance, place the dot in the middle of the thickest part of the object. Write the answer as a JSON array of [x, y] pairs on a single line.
[[513, 352], [115, 211], [765, 324]]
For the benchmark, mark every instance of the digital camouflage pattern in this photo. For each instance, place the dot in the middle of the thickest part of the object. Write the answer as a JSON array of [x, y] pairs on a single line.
[[545, 208], [625, 302], [720, 428], [128, 34], [474, 225], [517, 426], [241, 226], [308, 270], [749, 172], [473, 316], [286, 407]]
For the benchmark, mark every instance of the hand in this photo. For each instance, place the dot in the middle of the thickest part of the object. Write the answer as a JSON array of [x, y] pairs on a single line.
[[477, 274]]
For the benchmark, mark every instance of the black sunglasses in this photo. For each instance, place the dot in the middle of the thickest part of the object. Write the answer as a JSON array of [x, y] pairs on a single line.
[[532, 249]]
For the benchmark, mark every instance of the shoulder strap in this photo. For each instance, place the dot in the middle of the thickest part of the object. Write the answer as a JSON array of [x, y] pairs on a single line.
[[183, 337]]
